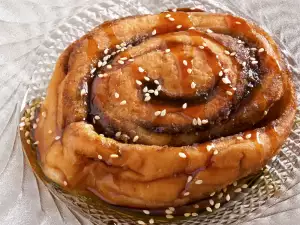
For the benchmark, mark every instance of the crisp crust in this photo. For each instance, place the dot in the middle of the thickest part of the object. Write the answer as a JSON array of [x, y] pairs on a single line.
[[152, 176]]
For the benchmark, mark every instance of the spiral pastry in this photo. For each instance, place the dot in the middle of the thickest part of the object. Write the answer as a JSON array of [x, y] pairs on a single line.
[[161, 110]]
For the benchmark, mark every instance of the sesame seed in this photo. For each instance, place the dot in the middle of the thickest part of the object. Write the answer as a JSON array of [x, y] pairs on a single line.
[[211, 202], [167, 50], [147, 212], [227, 198], [130, 60], [156, 82], [237, 22], [154, 32], [252, 58], [179, 26], [169, 216], [109, 66], [156, 92], [123, 44], [171, 19], [28, 141], [212, 194], [199, 122], [118, 46], [145, 89], [168, 15], [220, 195], [204, 121], [226, 80], [174, 10], [201, 47], [172, 209], [234, 183], [163, 112], [138, 82], [106, 51], [151, 91], [93, 70], [99, 156], [36, 143], [186, 194], [221, 73], [184, 106], [199, 182], [238, 190], [229, 93], [248, 136], [147, 78], [192, 28], [44, 114], [227, 52], [195, 123], [208, 209], [245, 186], [209, 31], [204, 44], [147, 94], [168, 211], [240, 138], [135, 138], [118, 134], [240, 42], [194, 214], [57, 138], [157, 113], [190, 178], [261, 50], [147, 98], [141, 69], [114, 156], [226, 70], [117, 95], [65, 183], [209, 147], [265, 112], [254, 62], [82, 92], [151, 221], [244, 64], [184, 62], [123, 102], [123, 58], [97, 117], [22, 124], [253, 49], [140, 222], [121, 62], [216, 152], [182, 155], [26, 133], [189, 70], [187, 214], [193, 85], [232, 53], [217, 205]]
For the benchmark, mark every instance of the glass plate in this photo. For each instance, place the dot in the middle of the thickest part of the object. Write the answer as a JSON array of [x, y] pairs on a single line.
[[263, 190]]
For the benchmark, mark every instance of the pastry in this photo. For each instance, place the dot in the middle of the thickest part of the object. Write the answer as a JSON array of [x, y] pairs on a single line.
[[161, 110]]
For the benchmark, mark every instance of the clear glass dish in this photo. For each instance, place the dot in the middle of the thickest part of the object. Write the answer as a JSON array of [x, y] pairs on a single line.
[[263, 190]]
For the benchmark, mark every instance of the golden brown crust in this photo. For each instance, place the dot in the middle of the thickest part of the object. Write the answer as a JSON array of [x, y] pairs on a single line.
[[139, 177]]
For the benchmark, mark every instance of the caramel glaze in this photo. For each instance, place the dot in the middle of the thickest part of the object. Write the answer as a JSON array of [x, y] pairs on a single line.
[[153, 164], [196, 99]]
